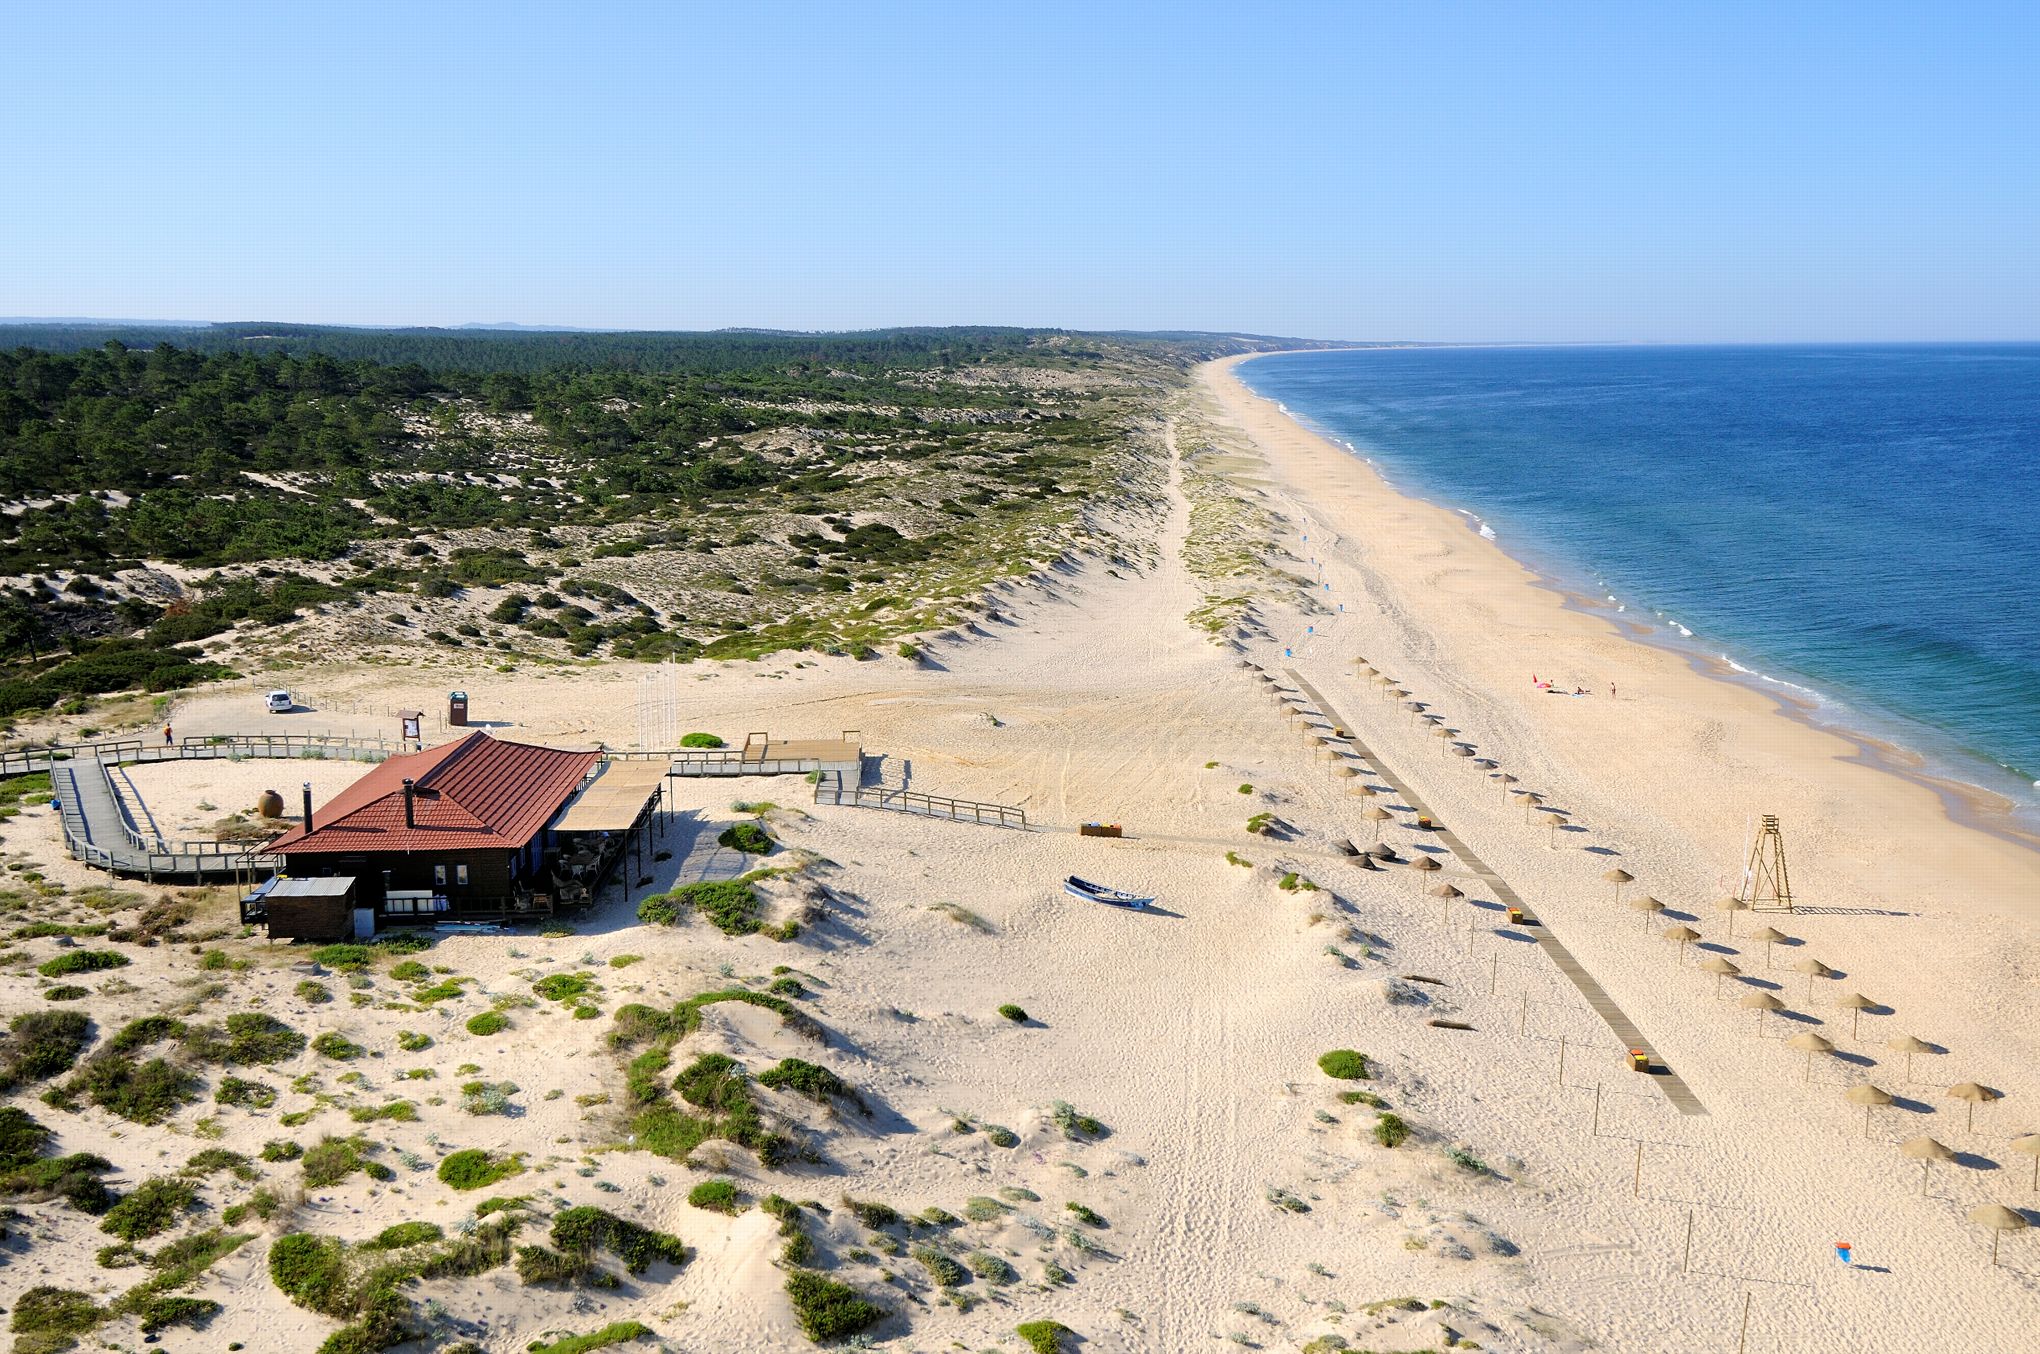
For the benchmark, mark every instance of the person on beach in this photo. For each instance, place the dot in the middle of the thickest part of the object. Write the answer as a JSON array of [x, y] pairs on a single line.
[[166, 735], [1611, 691], [1843, 1251]]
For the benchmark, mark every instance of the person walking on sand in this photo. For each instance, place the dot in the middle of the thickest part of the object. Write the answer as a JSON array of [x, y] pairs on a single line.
[[1611, 691], [166, 735], [1843, 1251]]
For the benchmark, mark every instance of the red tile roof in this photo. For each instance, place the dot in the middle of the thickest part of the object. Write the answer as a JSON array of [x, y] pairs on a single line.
[[474, 794]]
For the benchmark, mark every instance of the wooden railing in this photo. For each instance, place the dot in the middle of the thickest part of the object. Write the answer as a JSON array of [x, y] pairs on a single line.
[[831, 790]]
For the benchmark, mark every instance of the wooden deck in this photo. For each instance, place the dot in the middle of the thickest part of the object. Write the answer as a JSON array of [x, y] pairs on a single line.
[[1675, 1089]]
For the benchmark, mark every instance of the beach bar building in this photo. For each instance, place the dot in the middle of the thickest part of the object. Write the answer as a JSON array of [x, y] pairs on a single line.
[[463, 830]]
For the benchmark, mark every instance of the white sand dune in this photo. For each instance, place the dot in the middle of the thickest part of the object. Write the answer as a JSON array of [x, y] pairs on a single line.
[[1193, 1032]]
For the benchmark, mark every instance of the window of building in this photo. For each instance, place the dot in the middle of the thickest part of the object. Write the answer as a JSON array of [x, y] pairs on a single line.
[[460, 875], [439, 875]]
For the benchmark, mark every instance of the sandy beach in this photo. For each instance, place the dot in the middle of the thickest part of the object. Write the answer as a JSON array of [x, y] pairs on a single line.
[[1546, 1197]]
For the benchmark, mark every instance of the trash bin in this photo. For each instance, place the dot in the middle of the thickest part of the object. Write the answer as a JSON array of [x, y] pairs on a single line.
[[456, 709], [1639, 1061]]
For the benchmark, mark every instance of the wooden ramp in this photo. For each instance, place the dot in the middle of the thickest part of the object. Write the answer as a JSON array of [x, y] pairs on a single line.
[[1674, 1087]]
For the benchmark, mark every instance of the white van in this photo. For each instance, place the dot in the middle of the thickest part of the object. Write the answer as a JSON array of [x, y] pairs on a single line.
[[281, 703]]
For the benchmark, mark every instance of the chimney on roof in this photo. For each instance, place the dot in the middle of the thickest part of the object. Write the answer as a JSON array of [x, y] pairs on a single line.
[[308, 808], [410, 802]]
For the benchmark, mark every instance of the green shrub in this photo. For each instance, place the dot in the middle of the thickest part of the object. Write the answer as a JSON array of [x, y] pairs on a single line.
[[251, 1037], [82, 961], [729, 903], [41, 1045], [22, 1139], [1345, 1064], [701, 740], [871, 1212], [1084, 1215], [487, 1023], [332, 1044], [402, 1235], [143, 1093], [410, 971], [344, 957], [944, 1271], [543, 1264], [314, 994], [140, 1034], [717, 1196], [66, 992], [281, 1149], [1367, 1098], [615, 1333], [473, 1168], [816, 1083], [74, 1179], [211, 1160], [1390, 1130], [991, 1268], [749, 838], [1013, 1013], [563, 986], [311, 1271], [1044, 1337], [1465, 1160], [584, 1230], [47, 1319], [412, 1042], [827, 1310], [334, 1159], [151, 1208]]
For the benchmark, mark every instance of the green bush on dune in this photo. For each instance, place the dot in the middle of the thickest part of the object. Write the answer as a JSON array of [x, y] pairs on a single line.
[[1345, 1064]]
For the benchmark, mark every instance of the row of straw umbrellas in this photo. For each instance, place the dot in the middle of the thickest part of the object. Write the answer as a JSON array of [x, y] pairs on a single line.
[[1996, 1218]]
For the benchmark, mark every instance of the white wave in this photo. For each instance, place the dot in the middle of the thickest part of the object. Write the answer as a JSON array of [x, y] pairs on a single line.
[[1680, 628], [1767, 677], [1487, 531]]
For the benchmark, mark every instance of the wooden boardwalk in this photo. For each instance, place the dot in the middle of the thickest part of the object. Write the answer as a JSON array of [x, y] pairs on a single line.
[[1675, 1088]]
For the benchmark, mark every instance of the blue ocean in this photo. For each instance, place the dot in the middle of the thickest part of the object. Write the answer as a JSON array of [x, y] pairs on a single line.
[[1859, 522]]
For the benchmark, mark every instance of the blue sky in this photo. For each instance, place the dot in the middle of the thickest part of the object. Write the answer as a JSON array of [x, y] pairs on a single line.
[[1455, 172]]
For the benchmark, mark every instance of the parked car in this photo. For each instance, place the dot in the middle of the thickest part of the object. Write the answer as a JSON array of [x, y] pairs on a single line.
[[281, 703]]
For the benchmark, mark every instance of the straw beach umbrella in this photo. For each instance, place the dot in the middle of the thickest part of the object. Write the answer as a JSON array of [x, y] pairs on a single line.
[[1618, 877], [1909, 1046], [1855, 1004], [1505, 780], [1426, 864], [1925, 1151], [1812, 968], [1444, 893], [1377, 815], [1557, 821], [1364, 791], [1869, 1097], [1770, 935], [1684, 935], [1529, 799], [1731, 906], [2029, 1146], [1975, 1095], [1999, 1220], [1461, 750], [1809, 1043], [1720, 968], [1763, 1003], [1648, 906]]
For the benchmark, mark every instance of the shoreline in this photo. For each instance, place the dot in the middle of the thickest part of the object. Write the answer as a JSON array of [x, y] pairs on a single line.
[[1965, 803]]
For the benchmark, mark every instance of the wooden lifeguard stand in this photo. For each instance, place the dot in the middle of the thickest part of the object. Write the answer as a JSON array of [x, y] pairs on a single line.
[[1766, 886]]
